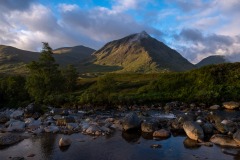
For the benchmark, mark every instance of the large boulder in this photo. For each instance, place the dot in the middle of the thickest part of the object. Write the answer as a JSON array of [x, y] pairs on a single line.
[[223, 140], [131, 121], [162, 133], [236, 136], [193, 130], [93, 129], [64, 142], [214, 107], [9, 139], [207, 128], [231, 105]]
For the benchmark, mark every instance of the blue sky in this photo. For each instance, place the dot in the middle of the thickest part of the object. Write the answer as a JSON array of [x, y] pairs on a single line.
[[195, 28]]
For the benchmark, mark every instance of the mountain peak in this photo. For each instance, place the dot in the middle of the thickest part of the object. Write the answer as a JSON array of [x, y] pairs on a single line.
[[139, 36]]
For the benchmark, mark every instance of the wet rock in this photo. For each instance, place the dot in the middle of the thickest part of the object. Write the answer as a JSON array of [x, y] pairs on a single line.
[[9, 139], [131, 121], [162, 133], [51, 129], [221, 128], [223, 140], [93, 129], [193, 130], [156, 146], [34, 124], [72, 126], [192, 144], [4, 118], [214, 107], [236, 136], [148, 127], [64, 142], [231, 105], [16, 114], [56, 117], [207, 128], [16, 125], [65, 120]]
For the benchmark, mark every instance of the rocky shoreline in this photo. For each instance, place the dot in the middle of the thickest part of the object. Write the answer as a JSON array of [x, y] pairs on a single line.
[[204, 125]]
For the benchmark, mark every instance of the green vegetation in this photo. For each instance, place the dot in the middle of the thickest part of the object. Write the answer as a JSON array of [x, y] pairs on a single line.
[[46, 83]]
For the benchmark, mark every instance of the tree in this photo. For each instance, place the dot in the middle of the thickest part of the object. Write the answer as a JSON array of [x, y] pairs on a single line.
[[70, 75], [45, 79]]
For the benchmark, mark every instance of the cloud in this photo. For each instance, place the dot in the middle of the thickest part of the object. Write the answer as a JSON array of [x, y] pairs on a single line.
[[13, 5], [196, 45]]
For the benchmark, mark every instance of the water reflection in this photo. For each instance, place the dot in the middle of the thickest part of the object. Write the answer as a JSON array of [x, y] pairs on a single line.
[[131, 136], [64, 149], [147, 136], [47, 142], [190, 144]]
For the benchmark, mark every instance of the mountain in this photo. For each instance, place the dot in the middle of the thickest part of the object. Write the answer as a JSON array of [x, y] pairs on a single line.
[[73, 55], [14, 60], [215, 59], [141, 53]]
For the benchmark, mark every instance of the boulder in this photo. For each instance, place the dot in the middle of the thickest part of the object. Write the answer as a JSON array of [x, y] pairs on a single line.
[[207, 128], [92, 129], [236, 136], [214, 107], [64, 142], [4, 118], [193, 130], [72, 126], [34, 124], [131, 121], [221, 128], [231, 105], [148, 127], [16, 114], [162, 133], [223, 140], [9, 139], [51, 129], [16, 125], [65, 120]]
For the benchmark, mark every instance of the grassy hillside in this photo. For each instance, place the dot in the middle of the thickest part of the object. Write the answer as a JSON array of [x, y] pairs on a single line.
[[210, 84], [141, 53]]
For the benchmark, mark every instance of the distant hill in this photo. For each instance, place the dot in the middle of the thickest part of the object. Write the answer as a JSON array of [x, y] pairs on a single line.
[[141, 53], [215, 59], [14, 60]]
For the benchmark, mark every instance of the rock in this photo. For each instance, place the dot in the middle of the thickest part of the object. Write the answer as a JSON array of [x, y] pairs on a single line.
[[214, 107], [65, 120], [9, 139], [16, 114], [221, 128], [162, 133], [156, 146], [231, 105], [93, 129], [34, 124], [148, 127], [236, 136], [72, 126], [30, 110], [4, 118], [64, 142], [189, 143], [57, 117], [207, 128], [16, 125], [223, 140], [131, 121], [52, 129], [193, 130]]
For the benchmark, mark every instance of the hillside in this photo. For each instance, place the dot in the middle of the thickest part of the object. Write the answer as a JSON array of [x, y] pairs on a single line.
[[216, 59], [14, 60], [141, 53]]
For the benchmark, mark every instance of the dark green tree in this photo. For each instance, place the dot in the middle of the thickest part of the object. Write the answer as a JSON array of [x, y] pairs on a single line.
[[45, 79], [70, 75]]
